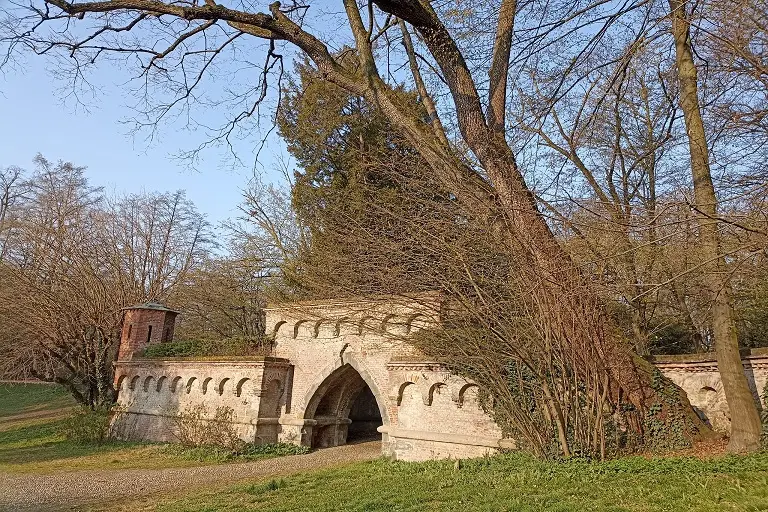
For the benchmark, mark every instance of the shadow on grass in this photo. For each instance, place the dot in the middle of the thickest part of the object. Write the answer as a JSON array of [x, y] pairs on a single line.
[[42, 443], [24, 398]]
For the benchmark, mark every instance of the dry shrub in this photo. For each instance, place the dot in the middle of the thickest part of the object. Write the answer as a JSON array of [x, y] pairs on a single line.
[[195, 428], [87, 426]]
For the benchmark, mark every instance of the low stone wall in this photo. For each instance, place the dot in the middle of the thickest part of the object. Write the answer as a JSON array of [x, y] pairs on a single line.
[[152, 393], [427, 412], [698, 376], [436, 414], [337, 363]]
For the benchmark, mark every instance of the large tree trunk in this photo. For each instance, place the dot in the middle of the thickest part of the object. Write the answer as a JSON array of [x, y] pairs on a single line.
[[745, 420], [566, 296], [567, 303]]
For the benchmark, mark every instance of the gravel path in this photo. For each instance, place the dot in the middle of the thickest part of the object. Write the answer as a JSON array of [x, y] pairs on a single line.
[[71, 491]]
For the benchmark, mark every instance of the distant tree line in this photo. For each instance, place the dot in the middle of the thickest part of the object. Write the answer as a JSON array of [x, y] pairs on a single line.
[[71, 257]]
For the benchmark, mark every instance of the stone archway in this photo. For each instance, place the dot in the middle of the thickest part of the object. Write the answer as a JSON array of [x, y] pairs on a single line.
[[344, 409]]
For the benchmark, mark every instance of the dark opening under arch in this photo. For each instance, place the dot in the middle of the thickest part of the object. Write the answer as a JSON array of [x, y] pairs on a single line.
[[345, 408]]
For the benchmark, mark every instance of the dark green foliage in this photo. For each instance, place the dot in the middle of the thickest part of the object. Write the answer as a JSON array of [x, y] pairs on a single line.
[[87, 426], [361, 189], [258, 450], [675, 338], [764, 415], [752, 302], [667, 424], [667, 332], [246, 452], [209, 347]]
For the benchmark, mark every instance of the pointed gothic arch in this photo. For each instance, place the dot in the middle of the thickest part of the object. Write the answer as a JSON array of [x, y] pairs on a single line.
[[345, 403]]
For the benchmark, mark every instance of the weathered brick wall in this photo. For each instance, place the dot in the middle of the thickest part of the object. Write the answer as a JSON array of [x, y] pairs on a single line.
[[136, 330]]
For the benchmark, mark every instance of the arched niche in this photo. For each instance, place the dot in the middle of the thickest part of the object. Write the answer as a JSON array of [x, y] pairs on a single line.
[[175, 383], [241, 385], [435, 389], [221, 385]]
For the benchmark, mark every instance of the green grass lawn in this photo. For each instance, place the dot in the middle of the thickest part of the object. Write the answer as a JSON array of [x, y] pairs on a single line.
[[31, 417], [509, 482], [31, 399]]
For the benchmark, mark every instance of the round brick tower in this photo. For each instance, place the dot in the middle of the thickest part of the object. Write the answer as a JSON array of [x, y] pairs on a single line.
[[145, 324]]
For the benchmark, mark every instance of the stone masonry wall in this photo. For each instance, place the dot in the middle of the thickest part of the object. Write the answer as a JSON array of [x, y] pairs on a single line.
[[697, 374], [322, 351], [426, 412], [152, 393]]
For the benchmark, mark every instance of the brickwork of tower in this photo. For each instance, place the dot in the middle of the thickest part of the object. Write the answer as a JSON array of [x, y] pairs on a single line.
[[145, 324]]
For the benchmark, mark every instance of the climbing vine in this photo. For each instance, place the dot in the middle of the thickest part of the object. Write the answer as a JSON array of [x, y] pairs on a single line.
[[537, 397], [764, 415], [667, 425]]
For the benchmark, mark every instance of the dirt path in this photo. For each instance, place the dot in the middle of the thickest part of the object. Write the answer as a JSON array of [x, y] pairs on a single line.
[[74, 490], [9, 422]]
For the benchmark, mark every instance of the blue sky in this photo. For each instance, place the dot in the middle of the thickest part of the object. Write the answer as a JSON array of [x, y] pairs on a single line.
[[36, 118]]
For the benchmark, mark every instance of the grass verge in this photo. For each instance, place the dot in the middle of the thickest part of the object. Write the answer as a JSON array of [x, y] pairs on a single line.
[[40, 448], [25, 404], [33, 443], [507, 482]]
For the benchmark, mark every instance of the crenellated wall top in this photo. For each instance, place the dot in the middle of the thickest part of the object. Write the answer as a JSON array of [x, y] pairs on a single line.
[[208, 362], [707, 362], [400, 315]]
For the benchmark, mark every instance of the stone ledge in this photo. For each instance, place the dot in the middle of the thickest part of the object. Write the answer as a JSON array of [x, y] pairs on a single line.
[[421, 435], [416, 365], [252, 422], [213, 360], [705, 357], [353, 301], [297, 422]]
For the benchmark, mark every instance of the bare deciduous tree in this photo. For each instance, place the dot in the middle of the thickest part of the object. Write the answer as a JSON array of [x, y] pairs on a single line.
[[470, 157], [746, 426], [12, 189], [70, 270]]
